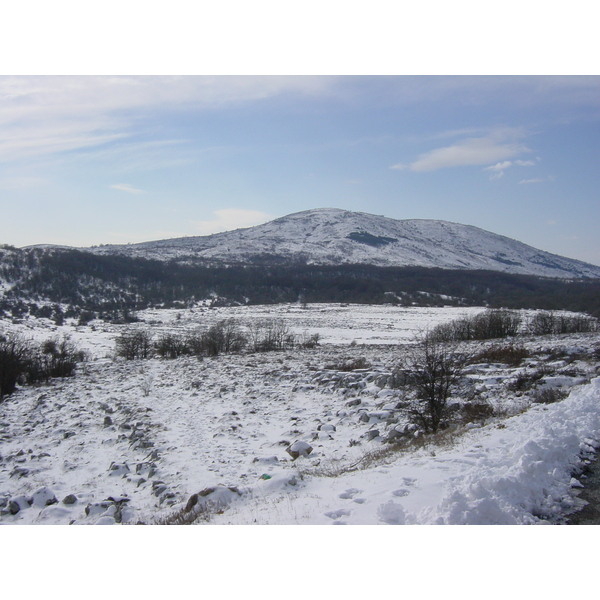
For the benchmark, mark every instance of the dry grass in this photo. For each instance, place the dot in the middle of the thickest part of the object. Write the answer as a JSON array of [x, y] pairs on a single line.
[[442, 440]]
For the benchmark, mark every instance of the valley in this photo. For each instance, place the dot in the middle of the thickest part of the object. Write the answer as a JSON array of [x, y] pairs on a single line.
[[211, 439]]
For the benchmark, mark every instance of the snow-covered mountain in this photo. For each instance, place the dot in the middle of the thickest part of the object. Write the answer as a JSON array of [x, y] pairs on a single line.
[[331, 236]]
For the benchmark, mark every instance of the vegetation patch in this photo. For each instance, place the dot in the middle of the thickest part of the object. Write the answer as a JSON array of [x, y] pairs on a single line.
[[370, 240]]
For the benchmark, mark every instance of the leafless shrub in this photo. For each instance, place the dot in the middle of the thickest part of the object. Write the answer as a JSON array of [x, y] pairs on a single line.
[[170, 345], [309, 340], [476, 411], [271, 334], [224, 337], [23, 361], [552, 323], [510, 354], [433, 370], [526, 380], [132, 344], [490, 324], [15, 357], [549, 395]]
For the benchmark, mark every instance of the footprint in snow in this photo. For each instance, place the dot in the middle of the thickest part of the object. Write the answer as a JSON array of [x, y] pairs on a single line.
[[336, 514], [401, 492], [349, 494], [409, 481]]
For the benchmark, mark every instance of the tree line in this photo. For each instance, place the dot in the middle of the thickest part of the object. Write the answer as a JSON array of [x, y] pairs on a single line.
[[105, 284]]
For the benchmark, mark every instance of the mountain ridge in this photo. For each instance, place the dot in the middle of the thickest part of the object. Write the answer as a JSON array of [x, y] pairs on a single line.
[[330, 236]]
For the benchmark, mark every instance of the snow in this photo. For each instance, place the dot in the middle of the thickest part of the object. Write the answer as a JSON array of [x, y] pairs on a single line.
[[132, 441], [324, 237]]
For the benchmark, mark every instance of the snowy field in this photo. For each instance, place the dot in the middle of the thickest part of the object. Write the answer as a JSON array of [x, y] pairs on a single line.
[[138, 441]]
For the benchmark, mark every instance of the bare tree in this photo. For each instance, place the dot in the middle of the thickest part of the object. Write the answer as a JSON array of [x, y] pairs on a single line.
[[271, 334], [433, 370]]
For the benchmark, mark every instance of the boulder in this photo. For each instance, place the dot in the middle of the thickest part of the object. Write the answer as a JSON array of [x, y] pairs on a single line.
[[43, 497], [299, 449]]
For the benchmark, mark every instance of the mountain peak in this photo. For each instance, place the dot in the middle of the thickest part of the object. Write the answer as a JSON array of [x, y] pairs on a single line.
[[333, 236]]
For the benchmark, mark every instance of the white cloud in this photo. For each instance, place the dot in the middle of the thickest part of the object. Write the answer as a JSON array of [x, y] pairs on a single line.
[[45, 115], [497, 146], [537, 179], [499, 168], [125, 187], [231, 218]]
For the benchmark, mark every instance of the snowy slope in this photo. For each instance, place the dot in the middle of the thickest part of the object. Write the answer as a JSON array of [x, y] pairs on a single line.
[[332, 236], [129, 441]]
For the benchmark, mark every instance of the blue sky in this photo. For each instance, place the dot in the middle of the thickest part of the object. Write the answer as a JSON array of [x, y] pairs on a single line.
[[87, 160]]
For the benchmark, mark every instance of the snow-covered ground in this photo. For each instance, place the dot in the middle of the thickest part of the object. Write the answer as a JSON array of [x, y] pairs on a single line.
[[137, 441]]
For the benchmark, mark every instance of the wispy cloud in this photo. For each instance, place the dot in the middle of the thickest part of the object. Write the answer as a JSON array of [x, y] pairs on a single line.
[[537, 180], [499, 145], [48, 115], [125, 187], [227, 219], [497, 170]]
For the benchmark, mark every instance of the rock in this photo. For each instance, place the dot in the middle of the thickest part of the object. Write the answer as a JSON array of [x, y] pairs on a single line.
[[107, 421], [393, 436], [43, 497], [19, 472], [159, 489], [191, 503], [118, 499], [267, 460], [96, 508], [299, 449], [106, 520], [117, 469], [70, 499], [364, 417], [372, 434], [18, 503], [326, 427]]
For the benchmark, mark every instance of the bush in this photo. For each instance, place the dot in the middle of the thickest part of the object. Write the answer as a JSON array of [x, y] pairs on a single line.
[[549, 395], [511, 354], [271, 334], [551, 323], [433, 370], [23, 362], [171, 346], [55, 358], [224, 337], [15, 359], [472, 412], [309, 341], [133, 344], [490, 324], [525, 381]]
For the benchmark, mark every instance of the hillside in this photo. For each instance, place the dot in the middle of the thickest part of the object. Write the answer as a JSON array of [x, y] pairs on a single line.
[[339, 237]]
